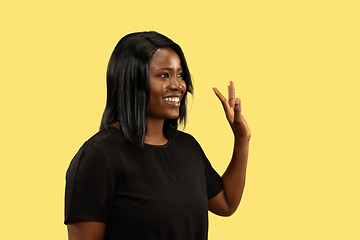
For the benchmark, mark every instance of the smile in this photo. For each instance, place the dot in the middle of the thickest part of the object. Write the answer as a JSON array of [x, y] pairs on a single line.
[[173, 101]]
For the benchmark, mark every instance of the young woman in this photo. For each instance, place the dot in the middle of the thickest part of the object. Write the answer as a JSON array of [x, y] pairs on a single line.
[[139, 177]]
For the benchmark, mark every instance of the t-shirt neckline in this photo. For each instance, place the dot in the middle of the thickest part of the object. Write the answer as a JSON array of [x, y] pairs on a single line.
[[146, 144]]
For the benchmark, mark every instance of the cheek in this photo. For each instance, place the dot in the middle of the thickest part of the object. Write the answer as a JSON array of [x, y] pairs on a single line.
[[155, 89], [183, 84], [156, 96]]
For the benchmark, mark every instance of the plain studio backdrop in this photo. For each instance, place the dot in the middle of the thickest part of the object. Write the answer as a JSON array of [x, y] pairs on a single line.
[[295, 65]]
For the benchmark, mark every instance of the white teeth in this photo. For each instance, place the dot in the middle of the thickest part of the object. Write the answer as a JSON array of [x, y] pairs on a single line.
[[172, 99]]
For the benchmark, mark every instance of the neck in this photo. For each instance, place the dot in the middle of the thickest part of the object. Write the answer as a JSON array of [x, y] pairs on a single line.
[[155, 133]]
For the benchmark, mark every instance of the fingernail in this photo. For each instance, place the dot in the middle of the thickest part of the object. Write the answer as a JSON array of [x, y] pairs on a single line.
[[237, 101]]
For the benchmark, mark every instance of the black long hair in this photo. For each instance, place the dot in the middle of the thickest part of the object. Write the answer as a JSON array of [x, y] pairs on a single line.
[[128, 94]]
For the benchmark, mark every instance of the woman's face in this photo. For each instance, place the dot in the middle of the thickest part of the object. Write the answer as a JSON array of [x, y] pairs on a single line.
[[166, 84]]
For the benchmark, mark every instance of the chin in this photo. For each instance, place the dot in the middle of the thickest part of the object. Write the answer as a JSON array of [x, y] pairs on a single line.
[[173, 116]]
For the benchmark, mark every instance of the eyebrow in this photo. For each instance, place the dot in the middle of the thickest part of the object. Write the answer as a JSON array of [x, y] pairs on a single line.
[[169, 69]]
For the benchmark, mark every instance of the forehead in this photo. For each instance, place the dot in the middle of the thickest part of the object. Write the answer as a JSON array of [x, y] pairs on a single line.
[[165, 57]]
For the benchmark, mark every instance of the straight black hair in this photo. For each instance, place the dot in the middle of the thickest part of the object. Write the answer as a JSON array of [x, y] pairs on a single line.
[[128, 85]]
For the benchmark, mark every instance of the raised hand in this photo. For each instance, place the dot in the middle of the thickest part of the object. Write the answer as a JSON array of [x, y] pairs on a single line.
[[232, 108], [227, 201]]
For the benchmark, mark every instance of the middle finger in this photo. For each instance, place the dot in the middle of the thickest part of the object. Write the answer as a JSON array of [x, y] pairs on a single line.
[[231, 94]]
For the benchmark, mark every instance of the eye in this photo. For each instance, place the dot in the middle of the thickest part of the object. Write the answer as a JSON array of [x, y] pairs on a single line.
[[164, 75], [180, 75]]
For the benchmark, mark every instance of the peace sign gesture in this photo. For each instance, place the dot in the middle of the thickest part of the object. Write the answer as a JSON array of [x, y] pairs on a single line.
[[232, 108]]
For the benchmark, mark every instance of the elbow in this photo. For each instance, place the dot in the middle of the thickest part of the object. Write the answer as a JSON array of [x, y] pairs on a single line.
[[221, 206], [225, 212], [229, 212]]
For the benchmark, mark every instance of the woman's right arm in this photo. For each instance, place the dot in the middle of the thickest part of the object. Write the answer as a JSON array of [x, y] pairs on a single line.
[[86, 230], [88, 194]]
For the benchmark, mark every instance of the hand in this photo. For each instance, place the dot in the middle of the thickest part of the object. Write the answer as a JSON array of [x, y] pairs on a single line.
[[232, 108]]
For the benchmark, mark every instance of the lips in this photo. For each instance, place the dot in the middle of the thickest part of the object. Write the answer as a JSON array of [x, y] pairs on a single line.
[[173, 101]]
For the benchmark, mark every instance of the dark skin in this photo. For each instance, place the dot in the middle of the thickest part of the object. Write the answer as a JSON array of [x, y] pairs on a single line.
[[227, 201], [166, 90]]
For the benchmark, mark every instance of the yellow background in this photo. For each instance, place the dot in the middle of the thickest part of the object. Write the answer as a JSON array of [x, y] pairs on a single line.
[[296, 68]]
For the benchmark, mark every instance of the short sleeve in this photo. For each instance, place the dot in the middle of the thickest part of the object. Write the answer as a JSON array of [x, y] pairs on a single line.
[[89, 186], [214, 183]]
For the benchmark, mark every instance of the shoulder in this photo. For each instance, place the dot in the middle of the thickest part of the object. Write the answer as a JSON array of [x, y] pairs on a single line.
[[183, 136], [101, 148], [107, 137], [106, 144], [186, 140]]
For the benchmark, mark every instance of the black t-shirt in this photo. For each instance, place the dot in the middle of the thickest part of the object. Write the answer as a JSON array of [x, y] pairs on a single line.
[[159, 192]]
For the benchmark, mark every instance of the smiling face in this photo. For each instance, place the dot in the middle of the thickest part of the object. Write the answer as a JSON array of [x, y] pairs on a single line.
[[167, 86]]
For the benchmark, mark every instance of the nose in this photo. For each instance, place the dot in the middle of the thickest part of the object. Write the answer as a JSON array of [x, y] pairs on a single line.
[[177, 84]]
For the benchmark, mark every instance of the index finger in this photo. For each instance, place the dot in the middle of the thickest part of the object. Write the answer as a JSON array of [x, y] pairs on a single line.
[[221, 97]]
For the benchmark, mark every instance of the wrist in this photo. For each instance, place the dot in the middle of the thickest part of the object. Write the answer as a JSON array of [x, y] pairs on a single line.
[[242, 141]]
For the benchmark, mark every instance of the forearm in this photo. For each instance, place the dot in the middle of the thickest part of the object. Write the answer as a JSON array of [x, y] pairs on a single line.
[[234, 176], [227, 201]]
